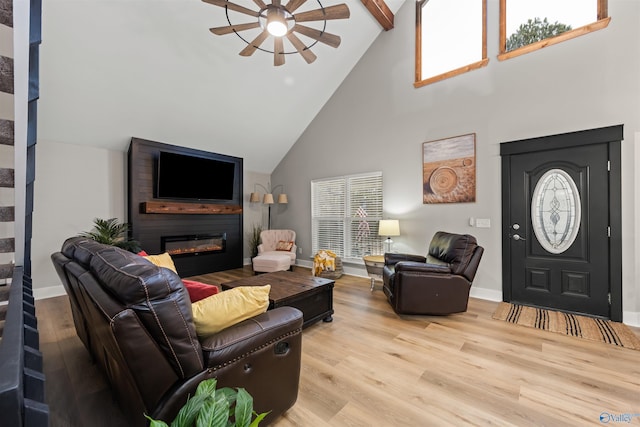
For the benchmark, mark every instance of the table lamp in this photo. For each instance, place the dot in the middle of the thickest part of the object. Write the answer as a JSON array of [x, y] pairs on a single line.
[[388, 227]]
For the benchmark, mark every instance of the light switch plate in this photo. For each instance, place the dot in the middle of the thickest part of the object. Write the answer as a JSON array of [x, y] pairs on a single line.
[[483, 222]]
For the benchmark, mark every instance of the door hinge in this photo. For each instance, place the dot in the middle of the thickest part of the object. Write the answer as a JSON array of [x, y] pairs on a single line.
[[608, 231], [609, 297], [609, 165]]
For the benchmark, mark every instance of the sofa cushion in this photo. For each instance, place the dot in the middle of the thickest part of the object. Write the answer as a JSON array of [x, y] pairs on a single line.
[[199, 290], [227, 308], [162, 260], [159, 299]]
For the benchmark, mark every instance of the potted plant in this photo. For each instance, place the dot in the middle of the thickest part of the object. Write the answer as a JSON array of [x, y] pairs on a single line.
[[111, 232], [215, 408], [254, 240]]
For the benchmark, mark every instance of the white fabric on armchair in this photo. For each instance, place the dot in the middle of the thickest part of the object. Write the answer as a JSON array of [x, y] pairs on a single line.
[[269, 241]]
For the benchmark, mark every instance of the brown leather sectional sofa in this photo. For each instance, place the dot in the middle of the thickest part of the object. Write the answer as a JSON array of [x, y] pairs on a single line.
[[135, 320]]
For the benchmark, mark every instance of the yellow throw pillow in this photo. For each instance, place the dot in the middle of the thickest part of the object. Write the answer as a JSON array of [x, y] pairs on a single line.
[[162, 260], [217, 312]]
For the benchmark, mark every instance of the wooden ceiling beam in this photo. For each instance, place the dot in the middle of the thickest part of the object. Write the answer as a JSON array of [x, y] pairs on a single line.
[[381, 12]]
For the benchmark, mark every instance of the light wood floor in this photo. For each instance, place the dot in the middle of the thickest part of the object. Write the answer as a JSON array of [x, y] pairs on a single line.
[[371, 367]]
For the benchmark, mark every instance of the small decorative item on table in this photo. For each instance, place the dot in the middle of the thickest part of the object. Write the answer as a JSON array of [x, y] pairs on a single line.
[[374, 264]]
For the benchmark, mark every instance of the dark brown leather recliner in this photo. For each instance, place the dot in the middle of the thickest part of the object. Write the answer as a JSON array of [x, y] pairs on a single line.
[[436, 284], [135, 320]]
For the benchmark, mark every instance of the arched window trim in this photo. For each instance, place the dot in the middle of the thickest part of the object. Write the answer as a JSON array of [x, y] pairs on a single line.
[[602, 22]]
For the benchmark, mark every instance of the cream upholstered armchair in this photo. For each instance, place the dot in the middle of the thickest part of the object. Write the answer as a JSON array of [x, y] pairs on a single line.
[[278, 242]]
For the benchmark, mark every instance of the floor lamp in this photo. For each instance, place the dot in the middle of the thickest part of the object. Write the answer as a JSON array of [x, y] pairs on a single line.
[[268, 199]]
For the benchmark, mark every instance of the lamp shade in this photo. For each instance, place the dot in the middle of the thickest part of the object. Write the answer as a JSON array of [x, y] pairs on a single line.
[[268, 199], [282, 198], [389, 227], [254, 198]]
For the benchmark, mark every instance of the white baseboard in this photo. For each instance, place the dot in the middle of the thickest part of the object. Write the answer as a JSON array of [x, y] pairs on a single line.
[[631, 318], [48, 292], [486, 294]]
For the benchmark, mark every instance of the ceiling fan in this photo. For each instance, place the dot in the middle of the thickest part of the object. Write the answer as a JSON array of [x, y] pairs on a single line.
[[281, 21]]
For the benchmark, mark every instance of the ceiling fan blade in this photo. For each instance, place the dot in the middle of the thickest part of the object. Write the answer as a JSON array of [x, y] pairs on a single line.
[[255, 44], [278, 51], [233, 28], [293, 5], [301, 48], [260, 4], [233, 6], [339, 11], [322, 36]]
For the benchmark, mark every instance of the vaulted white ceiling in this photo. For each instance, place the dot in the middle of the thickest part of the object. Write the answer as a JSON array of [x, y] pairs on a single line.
[[113, 69]]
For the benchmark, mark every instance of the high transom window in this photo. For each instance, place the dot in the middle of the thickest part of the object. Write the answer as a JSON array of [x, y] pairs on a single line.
[[345, 214], [451, 38], [529, 25]]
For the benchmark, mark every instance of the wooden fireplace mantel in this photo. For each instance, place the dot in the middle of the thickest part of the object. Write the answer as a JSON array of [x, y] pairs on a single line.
[[155, 207]]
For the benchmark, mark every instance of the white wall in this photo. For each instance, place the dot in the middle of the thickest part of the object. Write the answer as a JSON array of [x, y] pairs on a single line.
[[254, 214], [377, 120], [74, 185]]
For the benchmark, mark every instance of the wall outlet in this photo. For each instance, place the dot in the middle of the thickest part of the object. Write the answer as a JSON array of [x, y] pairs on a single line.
[[300, 251]]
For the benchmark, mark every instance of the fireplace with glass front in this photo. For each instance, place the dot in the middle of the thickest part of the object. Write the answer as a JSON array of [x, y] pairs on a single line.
[[193, 245]]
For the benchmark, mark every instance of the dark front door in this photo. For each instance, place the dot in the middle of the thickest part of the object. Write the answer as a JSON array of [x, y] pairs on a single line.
[[557, 226]]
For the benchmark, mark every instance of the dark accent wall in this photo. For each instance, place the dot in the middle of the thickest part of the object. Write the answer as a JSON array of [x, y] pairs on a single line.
[[149, 228]]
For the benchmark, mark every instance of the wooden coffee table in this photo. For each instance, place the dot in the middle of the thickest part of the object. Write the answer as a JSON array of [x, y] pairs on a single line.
[[311, 295]]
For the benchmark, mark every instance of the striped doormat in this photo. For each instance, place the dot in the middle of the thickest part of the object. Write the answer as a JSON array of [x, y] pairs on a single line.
[[569, 324]]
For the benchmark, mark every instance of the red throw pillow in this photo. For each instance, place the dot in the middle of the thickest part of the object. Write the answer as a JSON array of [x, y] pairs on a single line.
[[199, 290], [143, 253]]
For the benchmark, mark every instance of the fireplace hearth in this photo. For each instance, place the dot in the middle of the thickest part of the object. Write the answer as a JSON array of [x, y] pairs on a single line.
[[191, 245]]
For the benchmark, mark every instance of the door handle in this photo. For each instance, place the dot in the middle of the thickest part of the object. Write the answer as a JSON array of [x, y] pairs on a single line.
[[517, 237]]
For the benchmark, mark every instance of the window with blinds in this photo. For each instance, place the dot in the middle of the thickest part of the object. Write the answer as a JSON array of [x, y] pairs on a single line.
[[345, 212]]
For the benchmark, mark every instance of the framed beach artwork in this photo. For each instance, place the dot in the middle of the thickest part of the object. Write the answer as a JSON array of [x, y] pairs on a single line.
[[449, 170]]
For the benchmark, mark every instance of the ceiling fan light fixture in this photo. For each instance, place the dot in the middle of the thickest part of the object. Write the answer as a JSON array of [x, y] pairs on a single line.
[[276, 20], [282, 23], [277, 28]]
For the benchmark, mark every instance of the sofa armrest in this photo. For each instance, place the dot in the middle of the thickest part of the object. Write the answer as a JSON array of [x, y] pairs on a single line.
[[420, 267], [249, 335], [392, 258]]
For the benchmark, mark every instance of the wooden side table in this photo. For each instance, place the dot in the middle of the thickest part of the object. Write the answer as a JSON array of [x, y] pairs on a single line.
[[374, 264]]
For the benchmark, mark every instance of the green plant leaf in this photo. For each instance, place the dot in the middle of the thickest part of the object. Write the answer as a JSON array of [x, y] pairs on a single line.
[[244, 408], [229, 394], [258, 419], [214, 413], [156, 423], [187, 415], [207, 387]]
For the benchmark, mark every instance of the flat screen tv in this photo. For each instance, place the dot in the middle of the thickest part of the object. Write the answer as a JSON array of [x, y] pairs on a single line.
[[182, 176]]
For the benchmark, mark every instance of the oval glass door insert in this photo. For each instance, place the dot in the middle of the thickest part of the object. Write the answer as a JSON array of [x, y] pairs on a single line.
[[555, 211]]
